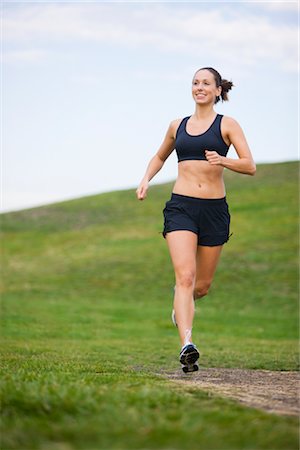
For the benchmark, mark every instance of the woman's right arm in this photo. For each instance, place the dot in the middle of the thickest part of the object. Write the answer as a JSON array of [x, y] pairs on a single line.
[[158, 160]]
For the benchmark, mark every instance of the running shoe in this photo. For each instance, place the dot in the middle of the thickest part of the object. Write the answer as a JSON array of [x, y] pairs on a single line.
[[188, 358], [174, 318], [173, 313]]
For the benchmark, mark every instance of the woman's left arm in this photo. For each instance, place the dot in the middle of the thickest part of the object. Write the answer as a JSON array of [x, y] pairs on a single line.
[[245, 163]]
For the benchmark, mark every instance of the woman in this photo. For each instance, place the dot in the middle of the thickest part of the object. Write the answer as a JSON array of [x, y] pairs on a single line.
[[196, 217]]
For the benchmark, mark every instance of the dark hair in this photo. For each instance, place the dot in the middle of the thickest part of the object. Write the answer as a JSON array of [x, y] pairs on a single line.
[[225, 84]]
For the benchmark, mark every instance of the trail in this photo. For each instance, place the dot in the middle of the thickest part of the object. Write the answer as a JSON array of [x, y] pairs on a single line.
[[271, 391]]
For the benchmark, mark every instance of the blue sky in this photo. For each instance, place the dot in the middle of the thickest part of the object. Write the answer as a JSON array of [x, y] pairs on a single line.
[[89, 88]]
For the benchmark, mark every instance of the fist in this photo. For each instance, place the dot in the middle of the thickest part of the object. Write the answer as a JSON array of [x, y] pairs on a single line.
[[141, 191], [213, 158]]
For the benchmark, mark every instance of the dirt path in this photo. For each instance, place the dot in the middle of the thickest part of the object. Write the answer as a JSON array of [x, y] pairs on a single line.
[[276, 392]]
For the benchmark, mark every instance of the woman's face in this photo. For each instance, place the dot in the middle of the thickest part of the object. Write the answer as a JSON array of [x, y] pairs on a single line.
[[204, 89]]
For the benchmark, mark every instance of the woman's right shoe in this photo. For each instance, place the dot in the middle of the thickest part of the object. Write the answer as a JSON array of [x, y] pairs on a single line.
[[188, 358]]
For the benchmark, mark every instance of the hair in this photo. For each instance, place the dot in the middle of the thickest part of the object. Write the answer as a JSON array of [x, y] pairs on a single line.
[[225, 84]]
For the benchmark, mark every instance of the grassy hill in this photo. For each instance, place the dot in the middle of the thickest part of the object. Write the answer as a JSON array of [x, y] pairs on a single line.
[[86, 302]]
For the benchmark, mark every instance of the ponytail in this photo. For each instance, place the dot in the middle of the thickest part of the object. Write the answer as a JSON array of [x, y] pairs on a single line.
[[226, 86]]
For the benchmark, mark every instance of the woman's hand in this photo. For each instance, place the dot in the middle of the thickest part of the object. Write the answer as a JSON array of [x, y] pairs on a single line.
[[141, 191], [213, 158]]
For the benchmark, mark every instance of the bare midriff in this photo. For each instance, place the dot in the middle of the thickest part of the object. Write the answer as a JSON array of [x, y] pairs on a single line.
[[199, 179]]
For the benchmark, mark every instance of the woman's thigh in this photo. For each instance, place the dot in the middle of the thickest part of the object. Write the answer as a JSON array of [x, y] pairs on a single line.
[[206, 262], [183, 250]]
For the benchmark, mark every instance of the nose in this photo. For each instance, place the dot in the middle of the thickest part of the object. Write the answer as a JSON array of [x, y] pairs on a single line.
[[199, 87]]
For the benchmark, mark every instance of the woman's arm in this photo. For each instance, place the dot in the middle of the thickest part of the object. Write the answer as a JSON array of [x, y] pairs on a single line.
[[158, 160], [245, 163]]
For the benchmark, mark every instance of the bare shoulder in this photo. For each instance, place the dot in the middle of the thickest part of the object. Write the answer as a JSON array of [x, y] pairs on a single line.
[[230, 121], [230, 124], [175, 123], [174, 126]]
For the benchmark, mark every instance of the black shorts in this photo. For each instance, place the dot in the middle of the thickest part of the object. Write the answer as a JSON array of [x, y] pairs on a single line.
[[208, 218]]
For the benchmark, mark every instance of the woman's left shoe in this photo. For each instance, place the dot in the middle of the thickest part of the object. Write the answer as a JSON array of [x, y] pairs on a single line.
[[174, 318]]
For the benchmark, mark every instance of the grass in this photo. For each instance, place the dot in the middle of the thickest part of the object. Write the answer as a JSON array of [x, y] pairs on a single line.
[[86, 300]]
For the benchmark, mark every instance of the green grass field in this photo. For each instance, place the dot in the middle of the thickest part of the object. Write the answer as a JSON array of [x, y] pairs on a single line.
[[86, 330]]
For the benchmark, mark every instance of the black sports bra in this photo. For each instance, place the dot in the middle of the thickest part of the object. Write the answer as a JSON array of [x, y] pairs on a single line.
[[190, 147]]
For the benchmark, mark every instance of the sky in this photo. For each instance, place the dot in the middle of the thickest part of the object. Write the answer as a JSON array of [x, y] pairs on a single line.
[[89, 88]]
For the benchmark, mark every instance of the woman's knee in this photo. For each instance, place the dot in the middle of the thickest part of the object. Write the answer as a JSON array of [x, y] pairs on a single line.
[[201, 288], [186, 279]]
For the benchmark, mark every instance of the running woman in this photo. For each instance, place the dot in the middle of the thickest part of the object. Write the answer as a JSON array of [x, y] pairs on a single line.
[[196, 218]]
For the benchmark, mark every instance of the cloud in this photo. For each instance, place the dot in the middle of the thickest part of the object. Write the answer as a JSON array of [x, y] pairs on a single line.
[[236, 35], [284, 6], [28, 56]]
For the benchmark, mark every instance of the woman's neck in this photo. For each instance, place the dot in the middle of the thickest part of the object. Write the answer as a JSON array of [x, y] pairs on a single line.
[[204, 112]]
